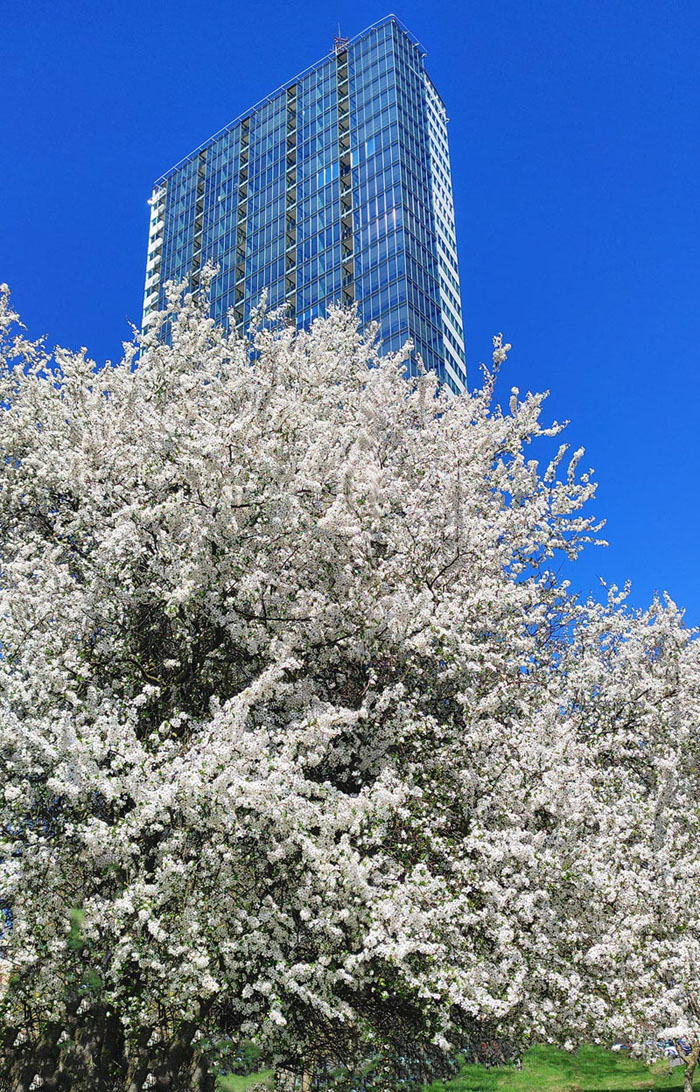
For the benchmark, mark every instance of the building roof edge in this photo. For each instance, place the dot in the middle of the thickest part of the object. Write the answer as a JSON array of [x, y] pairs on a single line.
[[389, 18]]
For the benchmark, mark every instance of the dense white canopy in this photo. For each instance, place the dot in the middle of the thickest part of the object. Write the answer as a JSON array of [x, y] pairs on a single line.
[[301, 741]]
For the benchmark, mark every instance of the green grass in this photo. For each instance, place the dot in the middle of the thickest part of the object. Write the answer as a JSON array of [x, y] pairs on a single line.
[[234, 1083], [545, 1069]]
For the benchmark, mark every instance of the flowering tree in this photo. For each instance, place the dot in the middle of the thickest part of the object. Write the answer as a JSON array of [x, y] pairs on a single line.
[[287, 743], [633, 683]]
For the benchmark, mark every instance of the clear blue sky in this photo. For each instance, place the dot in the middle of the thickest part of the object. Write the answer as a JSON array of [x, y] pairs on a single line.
[[575, 157]]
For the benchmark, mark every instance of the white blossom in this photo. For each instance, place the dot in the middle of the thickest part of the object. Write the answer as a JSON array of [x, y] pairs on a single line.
[[300, 738]]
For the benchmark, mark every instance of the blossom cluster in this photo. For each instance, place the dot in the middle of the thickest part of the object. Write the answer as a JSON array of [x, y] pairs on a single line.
[[301, 739]]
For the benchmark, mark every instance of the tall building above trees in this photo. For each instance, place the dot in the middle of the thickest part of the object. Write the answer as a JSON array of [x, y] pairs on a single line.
[[335, 188]]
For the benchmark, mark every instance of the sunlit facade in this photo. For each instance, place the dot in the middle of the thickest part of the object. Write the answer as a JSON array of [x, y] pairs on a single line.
[[335, 188]]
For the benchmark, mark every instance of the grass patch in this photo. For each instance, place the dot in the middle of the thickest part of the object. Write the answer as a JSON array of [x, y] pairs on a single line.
[[235, 1083], [546, 1069]]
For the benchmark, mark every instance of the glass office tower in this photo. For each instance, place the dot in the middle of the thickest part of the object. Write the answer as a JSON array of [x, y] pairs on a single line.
[[336, 188]]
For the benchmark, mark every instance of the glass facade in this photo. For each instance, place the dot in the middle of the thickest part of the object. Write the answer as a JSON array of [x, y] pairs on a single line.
[[334, 189]]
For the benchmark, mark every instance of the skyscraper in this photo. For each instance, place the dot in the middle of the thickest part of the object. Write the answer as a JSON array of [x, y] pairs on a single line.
[[334, 188]]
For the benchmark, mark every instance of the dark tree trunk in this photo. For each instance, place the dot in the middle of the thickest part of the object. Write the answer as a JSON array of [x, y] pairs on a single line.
[[691, 1061], [138, 1066], [202, 1079]]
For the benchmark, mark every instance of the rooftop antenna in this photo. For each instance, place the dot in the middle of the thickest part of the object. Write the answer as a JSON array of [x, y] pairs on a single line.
[[341, 43]]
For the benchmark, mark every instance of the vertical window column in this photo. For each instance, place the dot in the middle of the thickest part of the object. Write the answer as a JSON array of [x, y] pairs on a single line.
[[198, 220], [155, 253], [241, 226], [290, 243], [345, 160]]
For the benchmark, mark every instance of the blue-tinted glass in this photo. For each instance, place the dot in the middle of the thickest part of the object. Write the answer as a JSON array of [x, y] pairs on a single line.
[[335, 189]]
